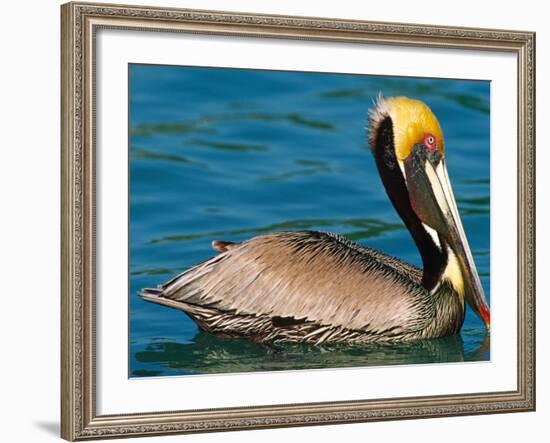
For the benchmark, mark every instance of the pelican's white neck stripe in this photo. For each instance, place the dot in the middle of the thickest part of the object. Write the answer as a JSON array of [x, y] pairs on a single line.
[[433, 234]]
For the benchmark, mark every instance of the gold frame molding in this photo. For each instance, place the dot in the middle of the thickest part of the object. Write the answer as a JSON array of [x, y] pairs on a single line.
[[79, 22]]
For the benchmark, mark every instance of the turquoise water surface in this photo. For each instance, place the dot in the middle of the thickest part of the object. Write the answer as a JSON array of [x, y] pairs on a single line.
[[230, 154]]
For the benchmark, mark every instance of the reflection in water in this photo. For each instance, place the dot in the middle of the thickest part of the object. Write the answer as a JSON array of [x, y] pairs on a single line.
[[210, 354]]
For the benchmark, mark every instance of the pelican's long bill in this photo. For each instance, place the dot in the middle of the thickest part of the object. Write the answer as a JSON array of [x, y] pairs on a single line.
[[432, 199]]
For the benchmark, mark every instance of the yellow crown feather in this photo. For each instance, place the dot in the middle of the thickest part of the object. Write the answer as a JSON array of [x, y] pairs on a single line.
[[411, 119]]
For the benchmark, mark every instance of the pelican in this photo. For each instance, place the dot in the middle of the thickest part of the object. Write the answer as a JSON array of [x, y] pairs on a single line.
[[316, 287]]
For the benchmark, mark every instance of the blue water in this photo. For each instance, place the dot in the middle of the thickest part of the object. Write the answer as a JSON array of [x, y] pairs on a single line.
[[230, 154]]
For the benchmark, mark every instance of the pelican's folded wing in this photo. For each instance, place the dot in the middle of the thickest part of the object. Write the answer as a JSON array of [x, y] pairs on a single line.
[[312, 276]]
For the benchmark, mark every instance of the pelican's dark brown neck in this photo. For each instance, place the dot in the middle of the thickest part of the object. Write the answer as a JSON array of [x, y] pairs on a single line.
[[434, 257]]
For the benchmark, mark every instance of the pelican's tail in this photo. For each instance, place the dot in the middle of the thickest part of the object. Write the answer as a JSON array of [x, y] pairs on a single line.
[[155, 295], [154, 292], [199, 314]]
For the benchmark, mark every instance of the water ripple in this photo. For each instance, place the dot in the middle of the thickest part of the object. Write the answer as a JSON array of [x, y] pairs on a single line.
[[202, 125], [369, 228], [475, 201], [154, 271], [226, 146], [144, 154], [311, 167], [475, 181], [470, 102]]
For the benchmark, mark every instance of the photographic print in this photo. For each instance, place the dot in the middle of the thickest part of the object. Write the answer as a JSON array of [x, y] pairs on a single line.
[[300, 220]]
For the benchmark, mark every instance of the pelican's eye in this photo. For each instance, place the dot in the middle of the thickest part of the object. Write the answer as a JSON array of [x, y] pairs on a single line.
[[430, 142]]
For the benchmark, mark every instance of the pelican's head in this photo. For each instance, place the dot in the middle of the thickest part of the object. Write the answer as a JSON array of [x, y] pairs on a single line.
[[408, 146]]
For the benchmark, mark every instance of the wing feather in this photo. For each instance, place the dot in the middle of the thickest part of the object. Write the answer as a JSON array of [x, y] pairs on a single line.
[[318, 277]]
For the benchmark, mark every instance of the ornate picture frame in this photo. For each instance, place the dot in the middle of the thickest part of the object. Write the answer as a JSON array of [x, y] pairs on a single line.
[[80, 23]]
